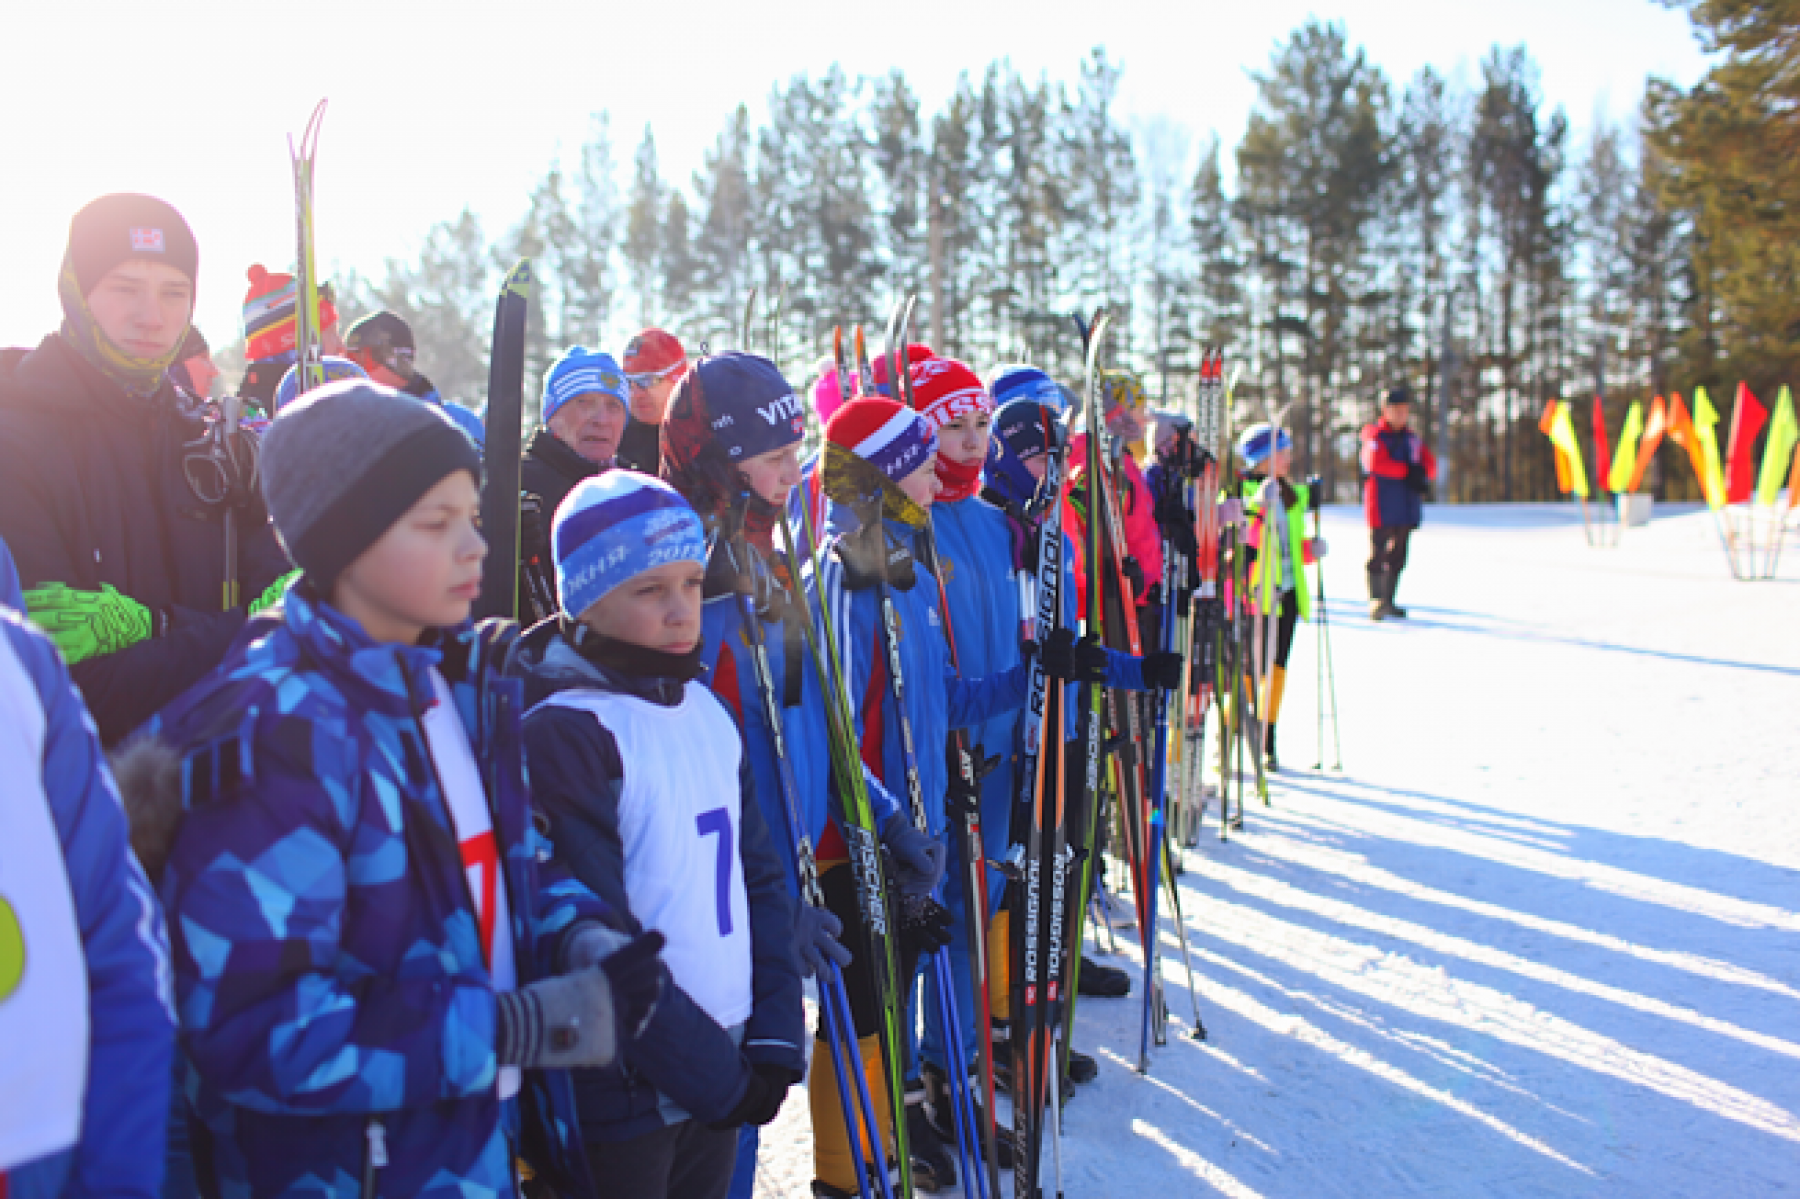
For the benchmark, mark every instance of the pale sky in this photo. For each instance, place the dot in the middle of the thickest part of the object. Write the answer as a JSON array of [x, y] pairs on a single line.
[[437, 106]]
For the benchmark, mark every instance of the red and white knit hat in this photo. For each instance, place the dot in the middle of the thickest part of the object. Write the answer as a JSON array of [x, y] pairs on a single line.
[[888, 436], [944, 389]]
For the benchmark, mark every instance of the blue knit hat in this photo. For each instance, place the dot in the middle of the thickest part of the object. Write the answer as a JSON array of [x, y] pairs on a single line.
[[1255, 444], [1014, 381], [615, 526], [580, 370], [335, 369], [751, 409], [1023, 429]]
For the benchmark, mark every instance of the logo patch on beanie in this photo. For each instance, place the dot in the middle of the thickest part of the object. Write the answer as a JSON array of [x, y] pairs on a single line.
[[148, 241]]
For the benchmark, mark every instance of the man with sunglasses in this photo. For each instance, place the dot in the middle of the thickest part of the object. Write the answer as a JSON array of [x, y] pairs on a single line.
[[382, 344], [654, 363], [126, 552]]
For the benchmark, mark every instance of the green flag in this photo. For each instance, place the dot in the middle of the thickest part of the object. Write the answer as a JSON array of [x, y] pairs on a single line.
[[1783, 432], [1712, 483], [1618, 480]]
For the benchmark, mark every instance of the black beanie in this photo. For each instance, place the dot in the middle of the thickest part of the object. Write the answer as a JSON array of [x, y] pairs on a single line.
[[122, 226]]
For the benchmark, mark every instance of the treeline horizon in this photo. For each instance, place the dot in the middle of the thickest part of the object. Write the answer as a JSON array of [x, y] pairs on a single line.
[[1451, 238]]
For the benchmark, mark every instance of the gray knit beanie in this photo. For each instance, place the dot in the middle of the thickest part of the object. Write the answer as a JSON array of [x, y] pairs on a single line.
[[345, 461]]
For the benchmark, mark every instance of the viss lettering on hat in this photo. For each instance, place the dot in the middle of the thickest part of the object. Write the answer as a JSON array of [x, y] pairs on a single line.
[[148, 241]]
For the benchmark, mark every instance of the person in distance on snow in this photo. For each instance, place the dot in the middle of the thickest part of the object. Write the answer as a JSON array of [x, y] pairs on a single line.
[[380, 984], [1285, 549], [644, 780], [382, 344], [113, 507], [584, 416], [654, 363], [1399, 468]]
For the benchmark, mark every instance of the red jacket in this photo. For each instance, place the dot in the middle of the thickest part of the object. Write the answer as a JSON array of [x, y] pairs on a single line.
[[1137, 512], [1388, 454]]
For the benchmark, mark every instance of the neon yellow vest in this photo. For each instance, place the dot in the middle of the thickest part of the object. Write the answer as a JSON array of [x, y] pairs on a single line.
[[1296, 532]]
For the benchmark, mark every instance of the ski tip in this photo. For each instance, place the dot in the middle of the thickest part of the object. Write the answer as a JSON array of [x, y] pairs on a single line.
[[520, 280]]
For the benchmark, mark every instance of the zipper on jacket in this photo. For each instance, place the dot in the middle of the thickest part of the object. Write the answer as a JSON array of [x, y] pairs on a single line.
[[375, 1156]]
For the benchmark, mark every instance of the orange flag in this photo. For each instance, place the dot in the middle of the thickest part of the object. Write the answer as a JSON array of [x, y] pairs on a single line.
[[1546, 423], [1748, 416], [1653, 435], [1681, 432]]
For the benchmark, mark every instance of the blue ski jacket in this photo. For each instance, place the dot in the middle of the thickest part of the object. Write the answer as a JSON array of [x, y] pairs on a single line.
[[49, 749], [684, 1058], [333, 995], [731, 673], [938, 699]]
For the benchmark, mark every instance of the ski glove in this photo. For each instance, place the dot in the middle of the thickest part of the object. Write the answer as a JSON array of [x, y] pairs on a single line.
[[1068, 660], [1162, 671], [558, 1023], [87, 624], [926, 925], [762, 1099], [276, 590], [636, 990], [1415, 478], [1318, 547], [918, 858], [816, 933]]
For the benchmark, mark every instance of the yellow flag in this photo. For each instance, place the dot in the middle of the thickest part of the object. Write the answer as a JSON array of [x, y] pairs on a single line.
[[1618, 480], [1705, 417], [1783, 433], [1562, 436]]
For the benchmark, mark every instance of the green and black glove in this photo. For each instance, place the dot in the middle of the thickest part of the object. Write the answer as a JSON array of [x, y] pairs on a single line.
[[275, 591], [87, 624]]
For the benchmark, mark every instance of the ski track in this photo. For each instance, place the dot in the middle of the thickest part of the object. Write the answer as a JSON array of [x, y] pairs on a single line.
[[1542, 937]]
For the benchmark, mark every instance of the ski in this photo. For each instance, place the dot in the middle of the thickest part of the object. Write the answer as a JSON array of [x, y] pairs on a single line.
[[505, 416], [307, 356]]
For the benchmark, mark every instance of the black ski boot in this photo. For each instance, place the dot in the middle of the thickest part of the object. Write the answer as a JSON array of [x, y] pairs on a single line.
[[940, 1109], [1393, 585], [1082, 1068], [1271, 763], [933, 1169], [1102, 982]]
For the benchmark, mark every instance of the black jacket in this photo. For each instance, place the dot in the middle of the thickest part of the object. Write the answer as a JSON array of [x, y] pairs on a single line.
[[551, 470], [641, 447], [92, 491]]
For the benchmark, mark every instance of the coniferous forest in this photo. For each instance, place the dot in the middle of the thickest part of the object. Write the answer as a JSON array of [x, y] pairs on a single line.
[[1451, 233]]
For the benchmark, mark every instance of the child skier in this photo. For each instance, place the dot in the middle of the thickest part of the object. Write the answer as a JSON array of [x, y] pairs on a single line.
[[650, 797], [367, 951], [1281, 548]]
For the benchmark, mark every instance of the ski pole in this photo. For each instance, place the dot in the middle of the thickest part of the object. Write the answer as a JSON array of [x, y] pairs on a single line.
[[1199, 1033], [1327, 674]]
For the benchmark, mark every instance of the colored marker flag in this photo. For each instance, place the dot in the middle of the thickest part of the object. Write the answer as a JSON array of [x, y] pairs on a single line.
[[1602, 457], [1748, 416], [1562, 436], [1783, 433], [1546, 422], [1653, 435], [1623, 478], [1706, 418]]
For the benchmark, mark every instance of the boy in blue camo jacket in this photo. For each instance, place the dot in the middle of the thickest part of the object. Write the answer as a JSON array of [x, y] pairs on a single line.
[[379, 983]]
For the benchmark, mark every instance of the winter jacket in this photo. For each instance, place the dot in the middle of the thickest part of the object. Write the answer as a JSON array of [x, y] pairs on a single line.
[[93, 491], [551, 469], [640, 447], [1389, 500], [938, 699], [98, 1131], [684, 1064], [1137, 513], [731, 673], [332, 988]]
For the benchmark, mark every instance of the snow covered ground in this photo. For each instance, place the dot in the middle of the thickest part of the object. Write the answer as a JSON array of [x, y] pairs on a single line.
[[1540, 937]]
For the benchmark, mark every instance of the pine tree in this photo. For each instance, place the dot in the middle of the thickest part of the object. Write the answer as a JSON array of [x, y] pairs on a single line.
[[643, 246]]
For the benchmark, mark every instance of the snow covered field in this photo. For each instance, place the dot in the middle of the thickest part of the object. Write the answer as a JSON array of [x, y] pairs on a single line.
[[1540, 937]]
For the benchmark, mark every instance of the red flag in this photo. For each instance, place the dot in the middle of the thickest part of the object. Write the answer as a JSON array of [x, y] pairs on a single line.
[[1748, 416], [1602, 457]]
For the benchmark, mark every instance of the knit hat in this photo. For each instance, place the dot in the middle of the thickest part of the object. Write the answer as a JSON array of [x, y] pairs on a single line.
[[123, 226], [878, 369], [1398, 395], [581, 370], [1023, 429], [1016, 381], [727, 409], [345, 461], [382, 339], [269, 311], [1121, 388], [612, 528], [828, 390], [944, 389], [288, 390], [870, 445], [652, 350], [1259, 441]]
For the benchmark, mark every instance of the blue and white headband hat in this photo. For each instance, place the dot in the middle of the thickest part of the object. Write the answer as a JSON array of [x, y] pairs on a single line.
[[615, 526], [1015, 381], [581, 370], [1256, 443]]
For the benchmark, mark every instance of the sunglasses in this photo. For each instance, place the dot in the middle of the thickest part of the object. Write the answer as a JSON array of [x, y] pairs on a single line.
[[644, 380]]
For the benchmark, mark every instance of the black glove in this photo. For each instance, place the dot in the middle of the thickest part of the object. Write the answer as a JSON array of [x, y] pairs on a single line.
[[762, 1098], [816, 933], [1068, 660], [926, 925], [1151, 598], [1162, 671], [1315, 492], [1134, 574], [1415, 478], [638, 977]]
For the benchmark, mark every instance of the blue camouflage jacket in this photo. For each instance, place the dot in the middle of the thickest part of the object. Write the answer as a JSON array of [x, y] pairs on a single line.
[[334, 1003]]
